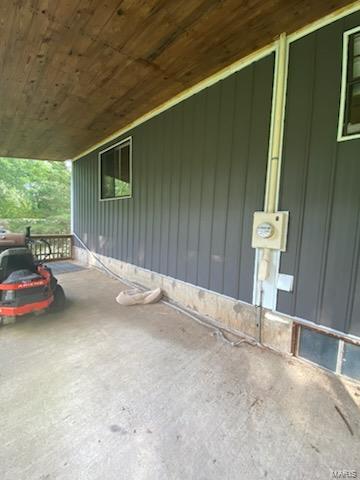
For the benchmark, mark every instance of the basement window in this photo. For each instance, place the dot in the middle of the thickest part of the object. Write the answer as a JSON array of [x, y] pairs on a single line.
[[329, 351], [349, 121], [351, 361], [115, 171], [318, 348]]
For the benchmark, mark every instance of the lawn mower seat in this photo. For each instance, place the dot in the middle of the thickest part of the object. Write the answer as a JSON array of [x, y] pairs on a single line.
[[15, 259]]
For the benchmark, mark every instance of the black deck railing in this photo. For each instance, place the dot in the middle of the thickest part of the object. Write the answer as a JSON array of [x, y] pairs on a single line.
[[61, 247]]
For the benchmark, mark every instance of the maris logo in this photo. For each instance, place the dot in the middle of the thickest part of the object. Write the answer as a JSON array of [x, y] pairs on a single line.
[[344, 474]]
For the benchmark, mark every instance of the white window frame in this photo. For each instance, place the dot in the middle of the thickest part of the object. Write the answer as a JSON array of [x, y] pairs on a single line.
[[114, 145], [341, 137]]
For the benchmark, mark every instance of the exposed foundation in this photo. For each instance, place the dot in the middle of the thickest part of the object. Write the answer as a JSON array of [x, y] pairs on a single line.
[[272, 329]]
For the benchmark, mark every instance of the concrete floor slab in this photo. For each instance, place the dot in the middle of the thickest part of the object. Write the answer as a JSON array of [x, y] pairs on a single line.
[[107, 392]]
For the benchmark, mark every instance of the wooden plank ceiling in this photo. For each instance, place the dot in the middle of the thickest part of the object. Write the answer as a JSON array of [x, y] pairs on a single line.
[[74, 71]]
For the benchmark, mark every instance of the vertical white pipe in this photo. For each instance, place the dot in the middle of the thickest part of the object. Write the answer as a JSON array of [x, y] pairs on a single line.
[[267, 257], [72, 198], [273, 177]]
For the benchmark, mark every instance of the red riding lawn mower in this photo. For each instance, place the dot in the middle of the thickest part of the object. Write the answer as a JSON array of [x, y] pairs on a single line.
[[26, 284]]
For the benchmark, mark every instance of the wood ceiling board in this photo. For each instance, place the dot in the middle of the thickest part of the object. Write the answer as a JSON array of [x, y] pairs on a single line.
[[73, 72]]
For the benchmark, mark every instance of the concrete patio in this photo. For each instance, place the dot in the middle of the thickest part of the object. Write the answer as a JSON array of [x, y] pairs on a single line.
[[145, 393]]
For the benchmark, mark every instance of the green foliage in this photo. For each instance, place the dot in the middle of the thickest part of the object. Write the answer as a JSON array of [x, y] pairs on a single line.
[[36, 193]]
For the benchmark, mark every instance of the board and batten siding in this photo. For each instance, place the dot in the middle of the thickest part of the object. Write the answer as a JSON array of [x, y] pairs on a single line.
[[320, 187], [199, 173]]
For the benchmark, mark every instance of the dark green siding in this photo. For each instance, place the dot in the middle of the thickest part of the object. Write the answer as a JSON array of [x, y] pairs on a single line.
[[320, 187], [198, 175]]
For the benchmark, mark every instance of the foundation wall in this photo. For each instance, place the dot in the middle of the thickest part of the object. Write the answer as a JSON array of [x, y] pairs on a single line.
[[236, 316]]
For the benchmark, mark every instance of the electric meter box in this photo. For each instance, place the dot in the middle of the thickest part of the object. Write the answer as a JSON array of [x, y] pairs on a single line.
[[270, 230]]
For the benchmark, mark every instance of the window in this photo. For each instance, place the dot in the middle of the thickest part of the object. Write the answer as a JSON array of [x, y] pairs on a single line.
[[115, 171], [351, 361], [318, 348], [349, 123], [329, 351]]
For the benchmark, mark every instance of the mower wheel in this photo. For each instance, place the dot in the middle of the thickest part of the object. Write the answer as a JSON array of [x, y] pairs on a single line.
[[59, 299]]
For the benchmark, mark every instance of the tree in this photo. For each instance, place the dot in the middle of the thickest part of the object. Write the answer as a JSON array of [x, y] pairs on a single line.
[[36, 193]]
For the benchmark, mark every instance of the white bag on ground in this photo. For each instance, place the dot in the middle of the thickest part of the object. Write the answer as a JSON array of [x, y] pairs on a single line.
[[138, 297]]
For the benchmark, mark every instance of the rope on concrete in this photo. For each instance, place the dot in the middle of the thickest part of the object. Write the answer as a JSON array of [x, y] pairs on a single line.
[[217, 331]]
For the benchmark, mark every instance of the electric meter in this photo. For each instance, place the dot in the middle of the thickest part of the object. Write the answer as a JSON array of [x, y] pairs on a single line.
[[265, 230], [270, 230]]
